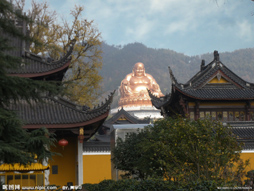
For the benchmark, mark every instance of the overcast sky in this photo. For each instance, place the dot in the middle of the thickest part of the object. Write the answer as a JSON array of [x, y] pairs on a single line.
[[191, 27]]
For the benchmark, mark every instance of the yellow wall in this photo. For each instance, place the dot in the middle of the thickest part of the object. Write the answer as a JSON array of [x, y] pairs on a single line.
[[250, 156], [96, 168], [215, 80], [66, 163]]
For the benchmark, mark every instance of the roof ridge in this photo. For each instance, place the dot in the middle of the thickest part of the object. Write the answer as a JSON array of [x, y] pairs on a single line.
[[43, 60], [101, 106], [172, 77], [213, 67], [70, 104]]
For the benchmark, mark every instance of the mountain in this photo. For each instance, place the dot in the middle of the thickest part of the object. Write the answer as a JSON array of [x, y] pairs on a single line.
[[118, 62]]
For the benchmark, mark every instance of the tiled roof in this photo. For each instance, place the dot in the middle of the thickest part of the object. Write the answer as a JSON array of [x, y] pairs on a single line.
[[34, 66], [197, 87], [158, 102], [18, 167], [129, 117], [218, 94], [94, 146], [57, 112], [243, 132], [207, 72], [248, 145]]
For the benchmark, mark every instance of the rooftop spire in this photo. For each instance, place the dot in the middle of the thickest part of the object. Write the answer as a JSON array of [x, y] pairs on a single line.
[[216, 56], [202, 65]]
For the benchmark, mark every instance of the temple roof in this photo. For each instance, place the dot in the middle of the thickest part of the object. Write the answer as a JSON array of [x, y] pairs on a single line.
[[213, 82], [199, 86], [59, 113], [158, 102], [35, 66], [123, 117]]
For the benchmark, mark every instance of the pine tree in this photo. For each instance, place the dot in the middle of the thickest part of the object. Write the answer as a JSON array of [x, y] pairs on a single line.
[[16, 144]]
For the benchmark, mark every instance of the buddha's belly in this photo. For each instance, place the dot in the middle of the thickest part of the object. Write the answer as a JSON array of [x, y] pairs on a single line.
[[139, 87]]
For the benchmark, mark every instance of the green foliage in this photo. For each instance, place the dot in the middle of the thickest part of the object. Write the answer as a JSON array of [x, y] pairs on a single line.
[[250, 178], [182, 150], [16, 144], [127, 155], [149, 185]]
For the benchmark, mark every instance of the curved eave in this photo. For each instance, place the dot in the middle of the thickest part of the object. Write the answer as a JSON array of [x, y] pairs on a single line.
[[34, 75], [195, 97], [69, 125], [156, 102]]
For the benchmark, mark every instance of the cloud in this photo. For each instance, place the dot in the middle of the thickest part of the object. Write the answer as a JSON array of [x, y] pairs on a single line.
[[245, 30], [176, 24]]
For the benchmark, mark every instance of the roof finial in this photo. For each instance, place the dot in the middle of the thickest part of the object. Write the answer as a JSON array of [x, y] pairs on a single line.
[[202, 66], [216, 56], [172, 77]]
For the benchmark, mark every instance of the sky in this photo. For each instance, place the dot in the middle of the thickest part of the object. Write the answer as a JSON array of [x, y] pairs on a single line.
[[190, 27]]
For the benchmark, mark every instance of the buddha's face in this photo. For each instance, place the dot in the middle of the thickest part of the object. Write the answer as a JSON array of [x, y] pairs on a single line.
[[139, 69]]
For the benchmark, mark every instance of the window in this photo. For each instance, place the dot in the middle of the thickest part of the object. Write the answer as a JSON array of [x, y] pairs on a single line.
[[202, 115], [219, 115], [252, 116], [40, 180], [231, 116], [213, 115], [192, 115], [10, 179], [54, 169], [225, 115], [23, 179], [236, 116], [33, 180], [207, 114], [242, 116]]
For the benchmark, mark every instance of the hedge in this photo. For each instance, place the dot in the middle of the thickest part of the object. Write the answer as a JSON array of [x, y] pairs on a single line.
[[148, 185]]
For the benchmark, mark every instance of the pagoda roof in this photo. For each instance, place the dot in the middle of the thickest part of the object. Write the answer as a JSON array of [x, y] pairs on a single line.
[[38, 67], [123, 117], [59, 113], [199, 86]]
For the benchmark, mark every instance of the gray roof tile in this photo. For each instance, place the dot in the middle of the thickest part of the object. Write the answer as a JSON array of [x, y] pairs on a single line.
[[57, 110]]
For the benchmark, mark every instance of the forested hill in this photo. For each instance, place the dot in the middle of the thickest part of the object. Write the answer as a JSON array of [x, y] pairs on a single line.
[[119, 61]]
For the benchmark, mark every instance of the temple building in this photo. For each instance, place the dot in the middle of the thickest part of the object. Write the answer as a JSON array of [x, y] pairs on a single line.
[[72, 124], [97, 151], [217, 92], [134, 96]]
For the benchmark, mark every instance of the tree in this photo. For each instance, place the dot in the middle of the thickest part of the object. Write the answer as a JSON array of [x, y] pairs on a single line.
[[183, 150], [16, 144], [82, 80], [128, 155]]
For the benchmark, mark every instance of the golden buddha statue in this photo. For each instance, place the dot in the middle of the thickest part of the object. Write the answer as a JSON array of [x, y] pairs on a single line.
[[134, 87]]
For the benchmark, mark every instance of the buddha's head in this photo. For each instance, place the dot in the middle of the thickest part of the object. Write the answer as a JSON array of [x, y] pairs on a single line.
[[139, 69]]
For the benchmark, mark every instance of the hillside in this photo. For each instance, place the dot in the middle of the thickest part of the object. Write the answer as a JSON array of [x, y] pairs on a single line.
[[119, 61]]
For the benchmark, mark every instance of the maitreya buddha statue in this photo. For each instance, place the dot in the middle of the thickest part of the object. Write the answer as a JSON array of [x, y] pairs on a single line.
[[134, 87]]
